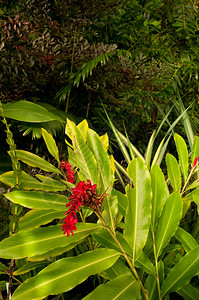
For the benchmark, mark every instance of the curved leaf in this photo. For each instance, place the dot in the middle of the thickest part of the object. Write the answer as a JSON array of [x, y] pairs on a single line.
[[186, 239], [28, 112], [65, 274], [182, 272], [38, 200], [36, 161], [30, 183], [182, 154], [169, 221], [159, 193], [36, 218], [189, 292], [138, 215], [173, 170], [51, 144], [40, 240], [120, 288]]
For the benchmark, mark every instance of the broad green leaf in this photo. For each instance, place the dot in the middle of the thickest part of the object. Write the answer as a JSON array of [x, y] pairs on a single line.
[[54, 252], [40, 240], [66, 273], [122, 287], [122, 201], [195, 152], [104, 168], [30, 183], [105, 239], [105, 171], [189, 292], [186, 239], [30, 266], [159, 193], [144, 263], [169, 221], [28, 112], [36, 161], [182, 272], [173, 170], [105, 141], [51, 144], [3, 267], [36, 218], [38, 200], [117, 269], [81, 156], [83, 127], [138, 215], [182, 154]]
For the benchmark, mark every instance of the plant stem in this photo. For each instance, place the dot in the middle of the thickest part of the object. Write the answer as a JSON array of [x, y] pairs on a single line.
[[156, 266], [124, 254]]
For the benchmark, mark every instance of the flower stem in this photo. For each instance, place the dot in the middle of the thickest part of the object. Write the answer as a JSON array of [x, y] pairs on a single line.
[[132, 267], [156, 266]]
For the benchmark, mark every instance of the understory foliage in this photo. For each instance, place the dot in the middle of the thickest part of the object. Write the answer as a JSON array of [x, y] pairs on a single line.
[[133, 243], [66, 53]]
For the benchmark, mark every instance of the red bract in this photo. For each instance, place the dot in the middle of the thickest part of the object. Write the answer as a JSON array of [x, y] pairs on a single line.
[[69, 224], [70, 173], [195, 162], [82, 194]]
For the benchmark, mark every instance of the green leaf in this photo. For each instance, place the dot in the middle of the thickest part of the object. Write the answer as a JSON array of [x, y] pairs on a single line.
[[117, 269], [105, 239], [169, 221], [149, 149], [36, 218], [36, 161], [189, 292], [122, 287], [173, 170], [106, 174], [182, 272], [122, 201], [159, 193], [65, 274], [182, 154], [54, 252], [40, 240], [38, 200], [30, 266], [195, 152], [81, 156], [138, 215], [30, 183], [144, 263], [28, 112], [51, 144], [186, 239]]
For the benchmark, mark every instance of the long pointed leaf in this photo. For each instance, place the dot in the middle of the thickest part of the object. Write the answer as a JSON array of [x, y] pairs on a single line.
[[65, 274], [138, 213], [120, 288], [169, 221], [182, 272], [41, 240]]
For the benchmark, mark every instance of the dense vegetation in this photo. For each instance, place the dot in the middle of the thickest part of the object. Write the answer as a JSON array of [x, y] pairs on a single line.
[[130, 68]]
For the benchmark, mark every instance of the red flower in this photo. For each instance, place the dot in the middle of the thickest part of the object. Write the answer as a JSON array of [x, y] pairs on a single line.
[[195, 162], [82, 194], [69, 225], [70, 173]]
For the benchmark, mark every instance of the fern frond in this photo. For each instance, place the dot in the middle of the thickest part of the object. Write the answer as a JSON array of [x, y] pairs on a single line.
[[87, 69]]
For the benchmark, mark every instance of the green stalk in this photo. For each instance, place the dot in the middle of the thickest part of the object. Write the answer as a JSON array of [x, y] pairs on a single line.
[[156, 266], [132, 267]]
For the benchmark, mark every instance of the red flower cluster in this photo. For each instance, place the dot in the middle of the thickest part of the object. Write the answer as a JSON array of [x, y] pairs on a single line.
[[70, 173], [82, 194]]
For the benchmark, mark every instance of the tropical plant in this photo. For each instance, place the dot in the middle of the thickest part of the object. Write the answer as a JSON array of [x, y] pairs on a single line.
[[136, 241]]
